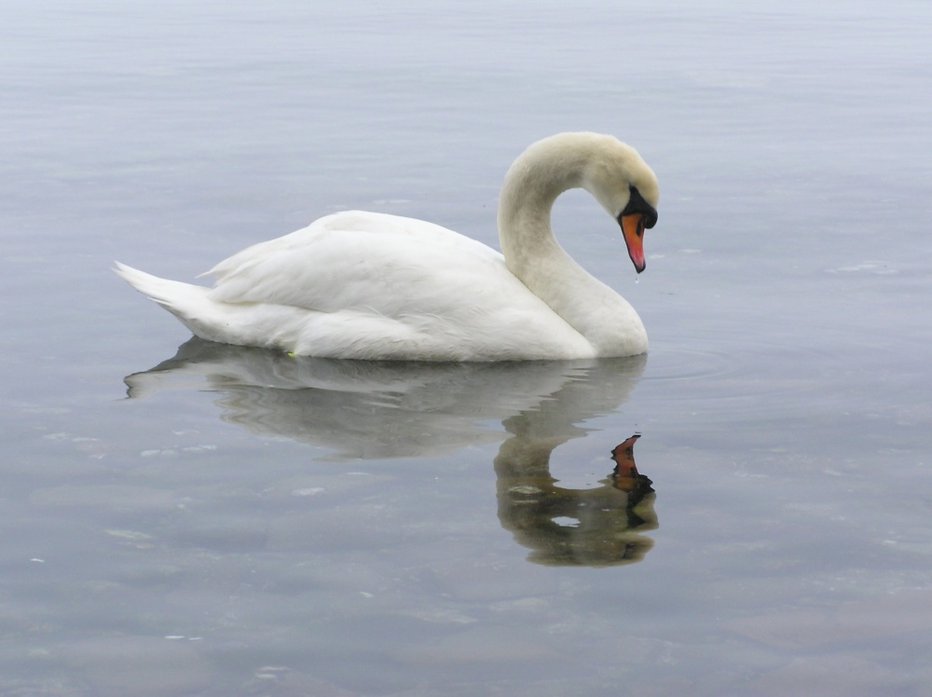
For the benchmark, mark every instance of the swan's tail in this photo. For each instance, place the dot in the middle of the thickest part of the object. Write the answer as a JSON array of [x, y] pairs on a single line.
[[187, 302]]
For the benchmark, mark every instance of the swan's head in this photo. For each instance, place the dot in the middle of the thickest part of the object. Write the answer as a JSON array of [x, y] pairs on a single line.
[[627, 188], [610, 170]]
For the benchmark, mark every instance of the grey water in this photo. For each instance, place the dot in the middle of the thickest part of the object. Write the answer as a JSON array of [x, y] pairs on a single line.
[[182, 518]]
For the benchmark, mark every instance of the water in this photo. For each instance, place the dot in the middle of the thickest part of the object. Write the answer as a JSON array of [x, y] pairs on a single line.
[[236, 522]]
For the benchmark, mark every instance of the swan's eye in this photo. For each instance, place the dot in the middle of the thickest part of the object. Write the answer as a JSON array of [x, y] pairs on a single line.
[[637, 204]]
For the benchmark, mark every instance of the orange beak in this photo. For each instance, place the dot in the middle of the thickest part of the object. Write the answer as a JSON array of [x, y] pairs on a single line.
[[632, 228]]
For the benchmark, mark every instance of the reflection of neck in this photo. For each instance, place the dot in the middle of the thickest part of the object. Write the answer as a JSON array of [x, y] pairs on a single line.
[[525, 456]]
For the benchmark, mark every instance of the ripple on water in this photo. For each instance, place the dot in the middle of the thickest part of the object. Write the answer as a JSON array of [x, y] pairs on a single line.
[[754, 380]]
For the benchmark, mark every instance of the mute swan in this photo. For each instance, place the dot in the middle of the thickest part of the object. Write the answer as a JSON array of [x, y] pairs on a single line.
[[382, 287]]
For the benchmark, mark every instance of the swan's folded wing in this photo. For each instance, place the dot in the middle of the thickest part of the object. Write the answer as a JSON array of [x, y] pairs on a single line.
[[364, 261]]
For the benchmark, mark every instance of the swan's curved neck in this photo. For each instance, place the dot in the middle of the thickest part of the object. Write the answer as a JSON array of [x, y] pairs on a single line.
[[532, 253], [531, 186]]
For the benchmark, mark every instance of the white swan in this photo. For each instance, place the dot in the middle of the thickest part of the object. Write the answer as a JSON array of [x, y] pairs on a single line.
[[374, 286]]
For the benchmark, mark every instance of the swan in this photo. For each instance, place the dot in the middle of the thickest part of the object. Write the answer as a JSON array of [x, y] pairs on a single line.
[[362, 285]]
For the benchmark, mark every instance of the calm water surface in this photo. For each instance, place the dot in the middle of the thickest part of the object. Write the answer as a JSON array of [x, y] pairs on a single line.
[[180, 518]]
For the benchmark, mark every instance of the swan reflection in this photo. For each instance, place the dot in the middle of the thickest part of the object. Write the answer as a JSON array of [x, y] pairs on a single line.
[[607, 521], [377, 410]]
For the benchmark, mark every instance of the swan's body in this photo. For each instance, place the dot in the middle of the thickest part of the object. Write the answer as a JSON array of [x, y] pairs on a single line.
[[374, 286]]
